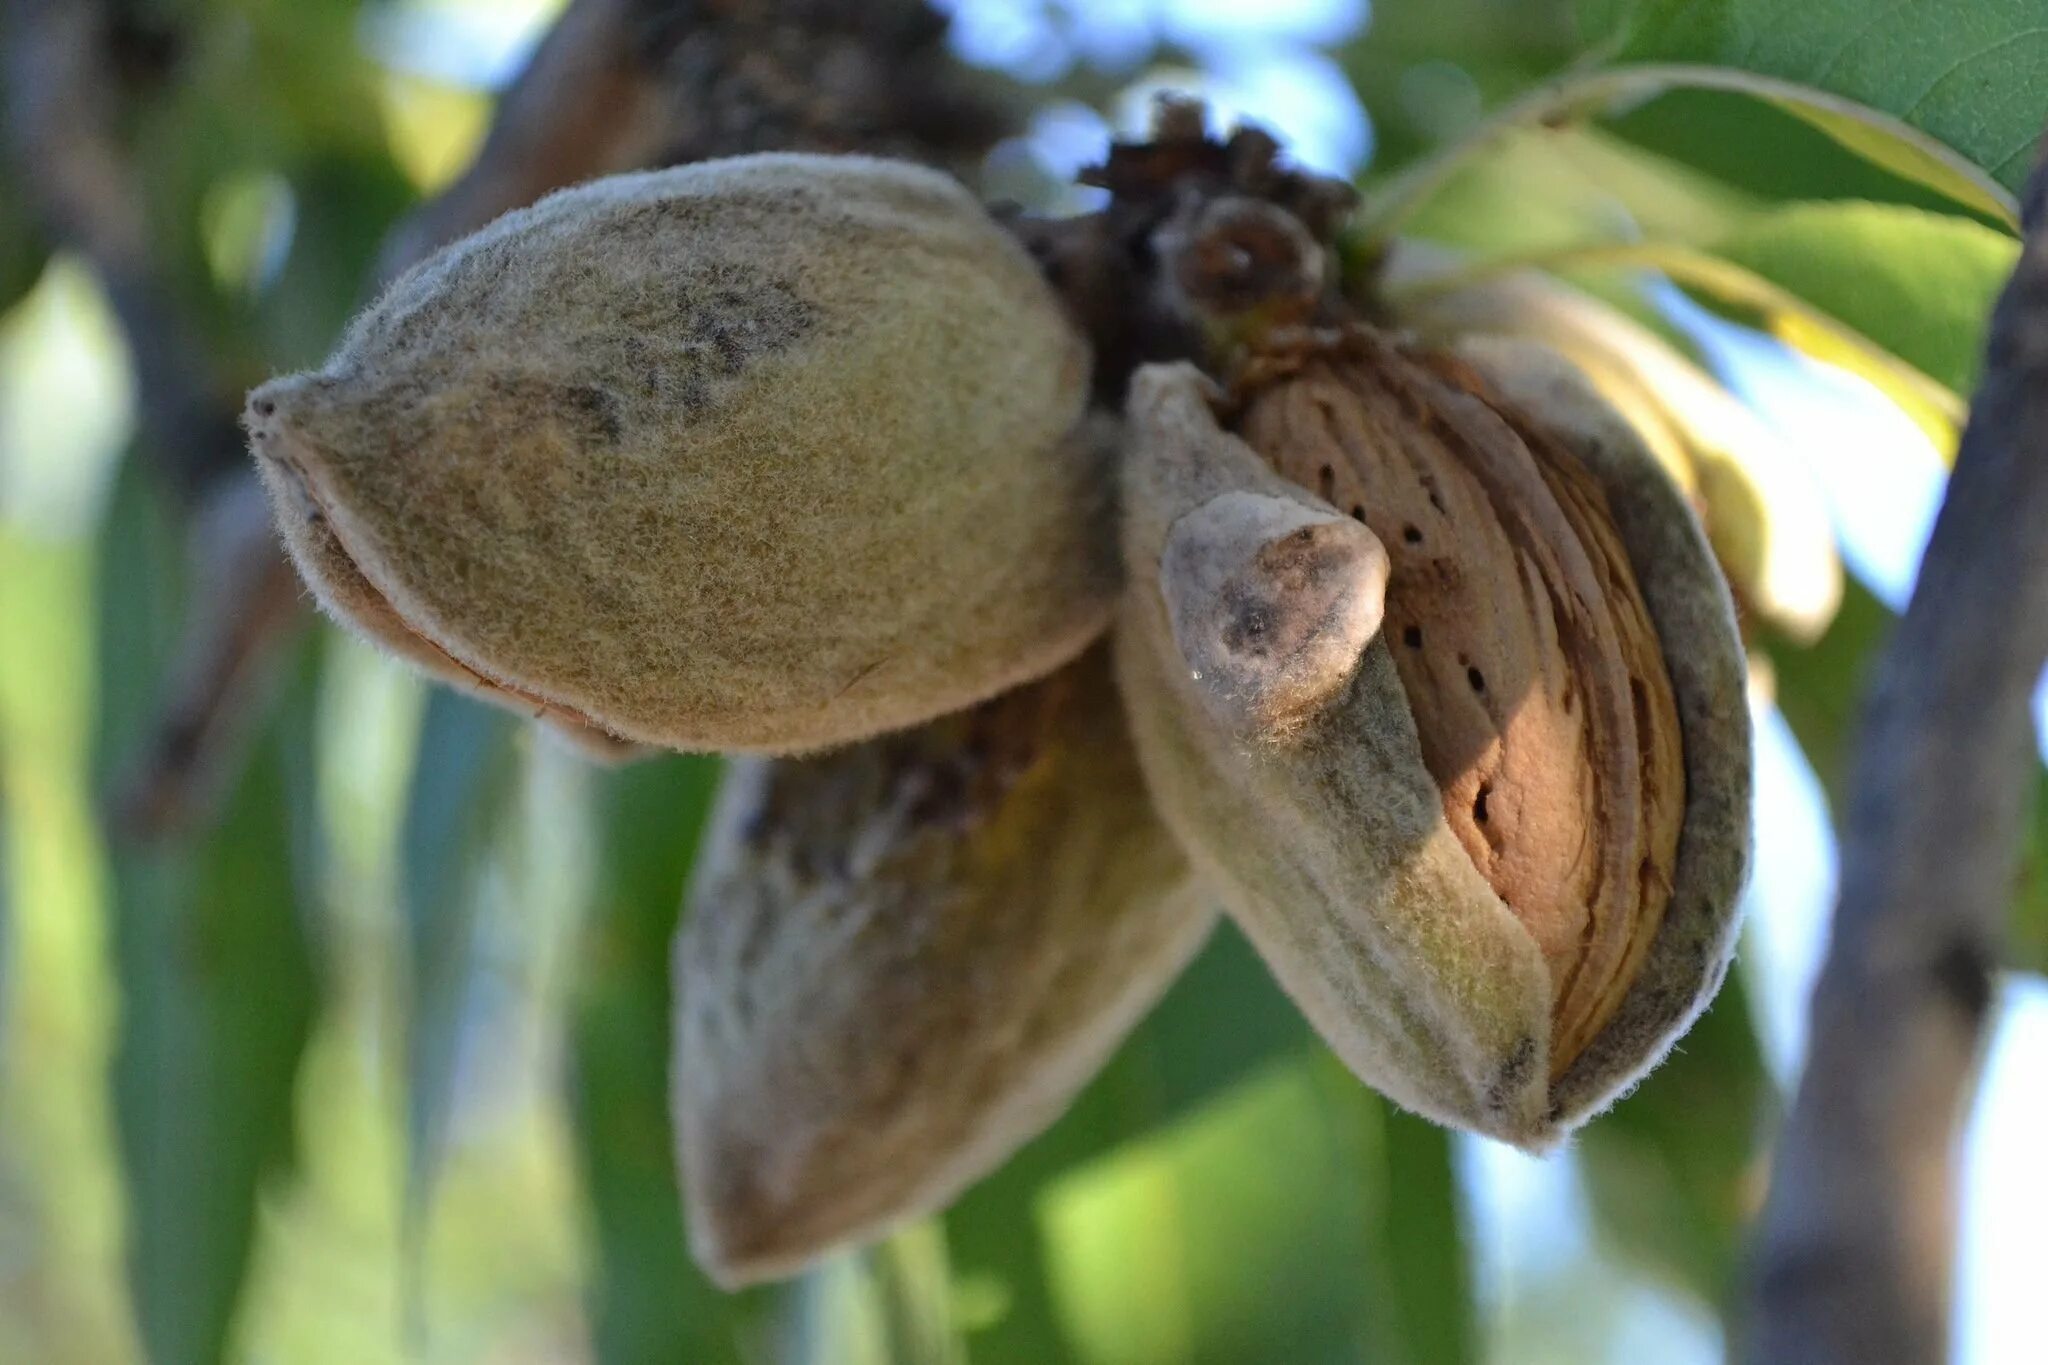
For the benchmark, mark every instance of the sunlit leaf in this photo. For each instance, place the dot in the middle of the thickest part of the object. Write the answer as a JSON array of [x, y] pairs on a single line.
[[1939, 419], [1223, 1152], [1536, 192], [1968, 75], [1589, 93], [1222, 1022], [1919, 284], [434, 127], [1882, 281], [218, 989], [1539, 189], [914, 1282], [1785, 312], [1719, 132], [1907, 158], [1174, 1246]]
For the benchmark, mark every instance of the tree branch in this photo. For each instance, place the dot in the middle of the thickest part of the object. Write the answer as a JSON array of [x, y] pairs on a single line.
[[590, 101], [1855, 1257], [621, 84], [65, 89]]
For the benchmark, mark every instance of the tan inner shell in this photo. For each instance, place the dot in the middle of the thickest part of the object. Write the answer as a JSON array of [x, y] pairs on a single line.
[[1531, 666]]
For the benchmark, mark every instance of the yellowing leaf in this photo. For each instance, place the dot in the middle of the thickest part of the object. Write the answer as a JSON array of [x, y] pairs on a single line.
[[434, 129]]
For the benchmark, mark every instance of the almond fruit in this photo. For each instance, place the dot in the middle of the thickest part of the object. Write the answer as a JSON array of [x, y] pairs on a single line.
[[1461, 850], [904, 958], [1530, 664], [762, 454]]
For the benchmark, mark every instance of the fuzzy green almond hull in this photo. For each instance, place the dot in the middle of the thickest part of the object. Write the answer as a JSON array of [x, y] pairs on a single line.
[[349, 597], [1326, 837], [903, 960], [765, 454]]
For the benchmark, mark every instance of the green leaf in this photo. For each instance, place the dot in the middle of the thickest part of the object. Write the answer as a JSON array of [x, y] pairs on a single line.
[[1426, 69], [463, 779], [1598, 19], [1675, 1170], [1223, 1136], [1223, 1021], [1536, 191], [1968, 75], [1820, 688], [1765, 304], [1919, 284], [1301, 1172], [1421, 1244], [256, 88], [1904, 157], [914, 1284], [1587, 93], [1719, 131], [648, 1302], [218, 988], [1552, 188]]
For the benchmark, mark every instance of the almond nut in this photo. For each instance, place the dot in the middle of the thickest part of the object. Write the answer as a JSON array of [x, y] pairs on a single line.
[[761, 454], [1496, 861], [904, 958]]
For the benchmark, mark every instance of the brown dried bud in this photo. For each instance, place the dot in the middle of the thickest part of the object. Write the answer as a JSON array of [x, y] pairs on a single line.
[[1464, 861], [903, 959], [769, 453]]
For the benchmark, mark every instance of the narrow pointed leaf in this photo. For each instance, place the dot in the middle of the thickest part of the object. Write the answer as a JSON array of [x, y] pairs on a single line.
[[1967, 75], [463, 778], [218, 987], [1175, 1247]]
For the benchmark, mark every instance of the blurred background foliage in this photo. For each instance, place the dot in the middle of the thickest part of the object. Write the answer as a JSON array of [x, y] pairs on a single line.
[[368, 1063]]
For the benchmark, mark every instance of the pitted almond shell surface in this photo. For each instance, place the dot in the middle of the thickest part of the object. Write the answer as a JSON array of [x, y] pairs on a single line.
[[1531, 667]]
